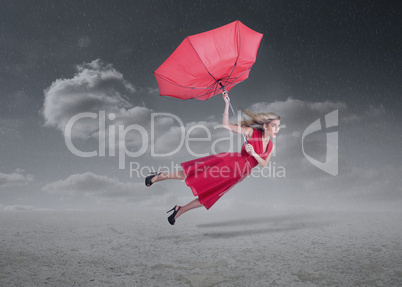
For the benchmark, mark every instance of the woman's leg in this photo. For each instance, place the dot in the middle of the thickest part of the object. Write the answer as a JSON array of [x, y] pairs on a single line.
[[171, 175], [191, 205]]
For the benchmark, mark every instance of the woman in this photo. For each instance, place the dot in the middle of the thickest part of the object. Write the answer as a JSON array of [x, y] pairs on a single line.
[[212, 176]]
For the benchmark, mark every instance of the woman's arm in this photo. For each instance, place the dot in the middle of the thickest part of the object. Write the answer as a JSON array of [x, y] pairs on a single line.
[[261, 161], [247, 131]]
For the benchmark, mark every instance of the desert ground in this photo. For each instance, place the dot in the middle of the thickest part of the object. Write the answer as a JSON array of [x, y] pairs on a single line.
[[133, 248]]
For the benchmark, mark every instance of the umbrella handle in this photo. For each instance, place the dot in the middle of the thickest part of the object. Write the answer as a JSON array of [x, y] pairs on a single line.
[[238, 123], [224, 90], [231, 107]]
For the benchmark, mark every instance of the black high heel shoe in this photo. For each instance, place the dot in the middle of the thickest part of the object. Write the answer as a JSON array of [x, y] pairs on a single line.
[[148, 181], [171, 217]]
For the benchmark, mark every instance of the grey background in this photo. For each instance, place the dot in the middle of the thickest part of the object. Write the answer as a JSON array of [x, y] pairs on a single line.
[[62, 58]]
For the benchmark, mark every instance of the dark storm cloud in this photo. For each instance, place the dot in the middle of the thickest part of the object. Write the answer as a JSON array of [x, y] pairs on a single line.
[[316, 57], [10, 127]]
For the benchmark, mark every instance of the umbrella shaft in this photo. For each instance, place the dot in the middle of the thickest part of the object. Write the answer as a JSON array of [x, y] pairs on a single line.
[[238, 123]]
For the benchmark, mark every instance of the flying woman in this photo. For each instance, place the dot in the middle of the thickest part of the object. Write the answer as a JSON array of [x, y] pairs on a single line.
[[212, 176]]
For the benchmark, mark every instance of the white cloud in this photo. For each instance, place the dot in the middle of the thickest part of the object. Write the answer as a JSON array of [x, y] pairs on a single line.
[[298, 113], [95, 87], [21, 207], [295, 114], [18, 207], [99, 187], [203, 138], [90, 184], [17, 178]]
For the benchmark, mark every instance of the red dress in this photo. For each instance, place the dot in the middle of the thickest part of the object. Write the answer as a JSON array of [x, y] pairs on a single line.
[[212, 176]]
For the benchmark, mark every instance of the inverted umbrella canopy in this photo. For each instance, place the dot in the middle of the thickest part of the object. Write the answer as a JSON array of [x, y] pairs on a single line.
[[208, 62]]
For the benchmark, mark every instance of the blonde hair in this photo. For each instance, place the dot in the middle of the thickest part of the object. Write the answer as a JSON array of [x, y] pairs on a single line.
[[257, 120]]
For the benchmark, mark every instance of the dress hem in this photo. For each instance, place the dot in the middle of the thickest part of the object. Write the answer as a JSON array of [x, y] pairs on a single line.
[[193, 189]]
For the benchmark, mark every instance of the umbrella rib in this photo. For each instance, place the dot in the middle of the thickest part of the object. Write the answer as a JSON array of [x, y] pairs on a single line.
[[183, 86], [177, 85], [166, 95], [238, 52], [208, 89], [234, 79], [216, 87], [200, 58], [213, 87]]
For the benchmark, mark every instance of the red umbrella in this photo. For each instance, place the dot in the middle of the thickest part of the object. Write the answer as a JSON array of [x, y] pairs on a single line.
[[205, 64]]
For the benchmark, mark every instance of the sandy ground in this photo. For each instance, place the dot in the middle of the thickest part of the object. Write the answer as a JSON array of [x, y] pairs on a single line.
[[281, 248]]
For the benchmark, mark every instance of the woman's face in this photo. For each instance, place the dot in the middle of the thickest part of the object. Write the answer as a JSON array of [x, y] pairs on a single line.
[[272, 128]]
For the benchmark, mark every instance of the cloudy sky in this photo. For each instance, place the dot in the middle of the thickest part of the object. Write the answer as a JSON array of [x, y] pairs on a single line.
[[91, 63]]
